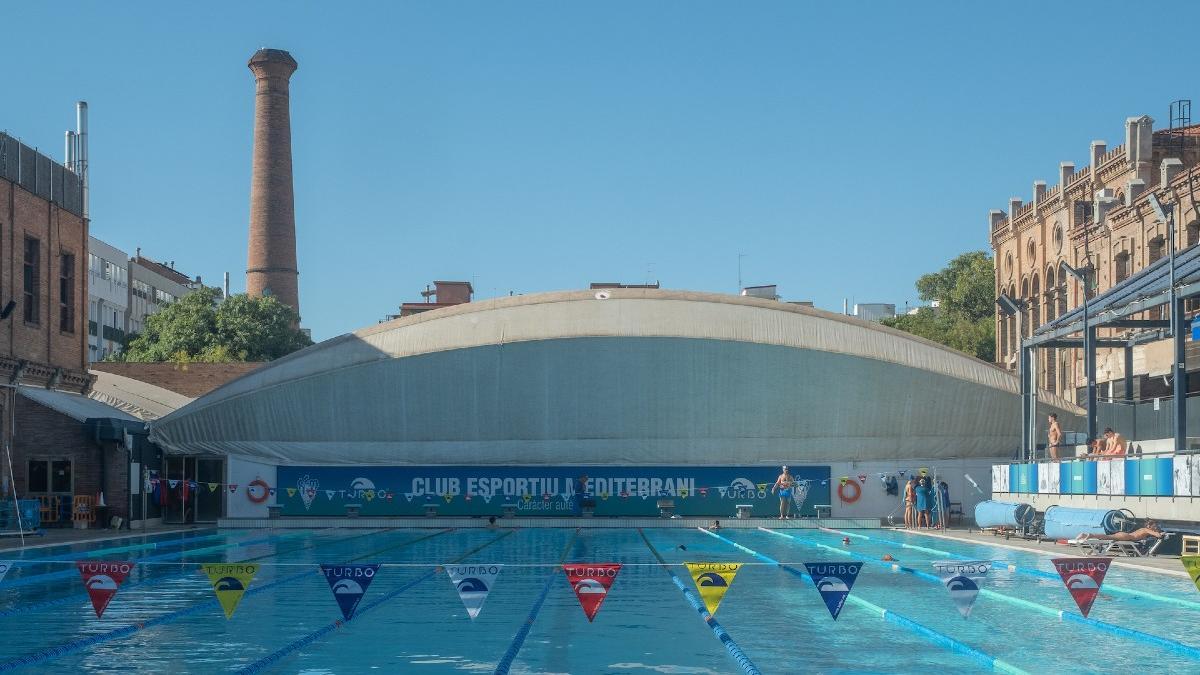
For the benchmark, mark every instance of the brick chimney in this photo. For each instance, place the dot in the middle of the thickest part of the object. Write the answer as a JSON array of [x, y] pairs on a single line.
[[271, 260]]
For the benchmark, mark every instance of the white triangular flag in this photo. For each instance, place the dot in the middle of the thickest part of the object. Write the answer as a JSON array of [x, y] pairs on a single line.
[[4, 568], [473, 582], [963, 578]]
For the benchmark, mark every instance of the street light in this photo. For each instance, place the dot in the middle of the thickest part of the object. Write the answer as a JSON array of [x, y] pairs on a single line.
[[1088, 369], [1167, 216]]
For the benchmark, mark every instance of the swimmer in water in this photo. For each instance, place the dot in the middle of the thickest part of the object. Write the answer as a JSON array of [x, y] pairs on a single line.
[[716, 525]]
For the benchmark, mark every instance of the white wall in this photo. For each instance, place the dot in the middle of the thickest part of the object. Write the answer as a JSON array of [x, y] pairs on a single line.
[[240, 471], [875, 503]]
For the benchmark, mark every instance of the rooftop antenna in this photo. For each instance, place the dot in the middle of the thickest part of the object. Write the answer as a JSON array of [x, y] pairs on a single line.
[[649, 272], [740, 256], [1180, 117]]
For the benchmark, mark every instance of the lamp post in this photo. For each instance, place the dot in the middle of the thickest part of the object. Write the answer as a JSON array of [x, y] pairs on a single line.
[[1014, 307], [1166, 215], [1089, 366]]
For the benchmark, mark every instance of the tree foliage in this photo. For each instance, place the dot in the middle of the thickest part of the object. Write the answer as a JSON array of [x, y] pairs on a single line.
[[965, 317], [198, 328]]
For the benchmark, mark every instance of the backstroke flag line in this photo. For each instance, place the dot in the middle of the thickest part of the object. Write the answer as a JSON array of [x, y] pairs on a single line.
[[349, 583], [712, 580], [1191, 563], [102, 579], [473, 583], [591, 582], [834, 581], [962, 579], [229, 583], [1083, 578]]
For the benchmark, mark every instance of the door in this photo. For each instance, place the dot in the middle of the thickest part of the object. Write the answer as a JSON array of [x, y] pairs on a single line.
[[179, 472], [208, 501]]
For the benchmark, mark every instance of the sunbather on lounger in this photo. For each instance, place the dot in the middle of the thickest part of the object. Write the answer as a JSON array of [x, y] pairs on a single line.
[[1151, 530]]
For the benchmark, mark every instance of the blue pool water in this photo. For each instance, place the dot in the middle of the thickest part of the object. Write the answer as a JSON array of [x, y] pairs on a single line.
[[411, 620]]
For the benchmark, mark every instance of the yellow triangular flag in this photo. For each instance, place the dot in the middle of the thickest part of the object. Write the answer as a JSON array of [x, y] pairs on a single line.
[[229, 582], [212, 487], [712, 580], [291, 492], [1191, 563]]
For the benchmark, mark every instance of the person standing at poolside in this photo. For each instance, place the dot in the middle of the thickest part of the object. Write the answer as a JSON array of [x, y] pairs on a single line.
[[910, 503], [784, 484], [924, 502], [1053, 436]]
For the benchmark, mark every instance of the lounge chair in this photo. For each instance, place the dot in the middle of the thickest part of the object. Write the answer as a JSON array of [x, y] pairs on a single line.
[[1136, 549]]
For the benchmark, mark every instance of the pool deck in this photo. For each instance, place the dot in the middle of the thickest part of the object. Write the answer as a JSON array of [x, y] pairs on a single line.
[[532, 522], [60, 536], [1160, 564]]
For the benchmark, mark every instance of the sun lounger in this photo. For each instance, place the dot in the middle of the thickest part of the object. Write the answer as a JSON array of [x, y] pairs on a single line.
[[1136, 549], [1091, 545]]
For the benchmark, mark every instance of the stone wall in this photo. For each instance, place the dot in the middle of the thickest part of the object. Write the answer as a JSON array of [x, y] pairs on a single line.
[[189, 379]]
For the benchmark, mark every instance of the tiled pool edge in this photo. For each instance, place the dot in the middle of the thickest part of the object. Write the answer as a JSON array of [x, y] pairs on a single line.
[[597, 523]]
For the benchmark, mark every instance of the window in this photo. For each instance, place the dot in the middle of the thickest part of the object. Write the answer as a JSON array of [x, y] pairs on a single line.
[[33, 277], [49, 476], [1155, 249], [162, 297], [1122, 265], [66, 293], [141, 289], [1193, 233]]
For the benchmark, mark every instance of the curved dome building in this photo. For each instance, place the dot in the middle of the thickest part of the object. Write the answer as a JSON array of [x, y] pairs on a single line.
[[621, 377]]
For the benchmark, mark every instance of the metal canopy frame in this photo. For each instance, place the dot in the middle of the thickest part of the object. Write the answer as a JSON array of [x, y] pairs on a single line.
[[1167, 281]]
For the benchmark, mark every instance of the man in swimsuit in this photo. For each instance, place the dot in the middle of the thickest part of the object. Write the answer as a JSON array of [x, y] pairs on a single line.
[[1053, 436], [1114, 443], [1150, 530], [785, 484]]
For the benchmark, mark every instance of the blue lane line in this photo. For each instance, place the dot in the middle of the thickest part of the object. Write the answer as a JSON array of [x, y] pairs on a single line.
[[518, 640], [1122, 590], [38, 606], [204, 605], [273, 658], [939, 639], [153, 545], [72, 573], [1148, 638], [726, 639]]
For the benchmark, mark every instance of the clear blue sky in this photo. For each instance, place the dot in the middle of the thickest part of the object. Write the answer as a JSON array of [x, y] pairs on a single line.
[[844, 148]]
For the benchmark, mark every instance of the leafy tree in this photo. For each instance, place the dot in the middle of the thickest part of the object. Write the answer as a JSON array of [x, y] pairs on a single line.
[[198, 328], [964, 318]]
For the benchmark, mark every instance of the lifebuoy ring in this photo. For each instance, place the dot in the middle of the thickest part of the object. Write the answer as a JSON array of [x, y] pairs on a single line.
[[842, 492], [264, 491]]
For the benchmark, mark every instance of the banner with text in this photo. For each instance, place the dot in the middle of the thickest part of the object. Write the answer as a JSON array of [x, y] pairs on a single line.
[[1083, 577], [538, 490], [473, 583], [349, 583], [962, 579], [229, 583]]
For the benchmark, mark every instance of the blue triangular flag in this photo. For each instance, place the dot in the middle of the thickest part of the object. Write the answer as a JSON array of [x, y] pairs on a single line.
[[349, 583], [834, 581]]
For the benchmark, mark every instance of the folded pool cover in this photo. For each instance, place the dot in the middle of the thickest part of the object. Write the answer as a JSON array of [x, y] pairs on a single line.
[[1067, 523], [1003, 514]]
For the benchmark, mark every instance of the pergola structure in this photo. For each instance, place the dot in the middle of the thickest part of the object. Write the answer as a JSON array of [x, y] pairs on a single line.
[[1168, 281]]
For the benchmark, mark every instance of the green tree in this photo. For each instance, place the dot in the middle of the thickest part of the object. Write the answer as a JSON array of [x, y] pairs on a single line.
[[965, 316], [198, 327]]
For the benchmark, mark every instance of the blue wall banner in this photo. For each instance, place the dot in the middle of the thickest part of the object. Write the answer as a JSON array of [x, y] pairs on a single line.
[[539, 490]]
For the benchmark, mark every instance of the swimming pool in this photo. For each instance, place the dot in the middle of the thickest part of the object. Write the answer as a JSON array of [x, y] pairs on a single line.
[[411, 619]]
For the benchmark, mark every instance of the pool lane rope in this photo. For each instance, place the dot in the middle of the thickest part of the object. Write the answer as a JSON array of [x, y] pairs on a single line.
[[318, 543], [162, 558], [207, 605], [718, 630], [937, 638], [150, 545], [1063, 615], [1120, 590], [295, 645], [518, 640]]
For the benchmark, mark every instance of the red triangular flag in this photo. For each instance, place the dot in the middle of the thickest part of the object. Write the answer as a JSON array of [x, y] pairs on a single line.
[[102, 579], [232, 488], [591, 582], [1083, 578]]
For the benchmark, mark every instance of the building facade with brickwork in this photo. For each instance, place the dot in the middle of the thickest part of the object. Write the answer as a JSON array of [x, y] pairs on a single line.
[[1098, 218]]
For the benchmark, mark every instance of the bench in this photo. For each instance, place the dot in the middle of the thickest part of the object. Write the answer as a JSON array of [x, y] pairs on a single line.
[[1191, 544], [743, 510], [823, 510], [666, 507], [508, 510]]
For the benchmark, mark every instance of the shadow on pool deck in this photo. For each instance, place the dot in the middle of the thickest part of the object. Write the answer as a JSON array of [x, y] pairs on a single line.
[[1161, 564]]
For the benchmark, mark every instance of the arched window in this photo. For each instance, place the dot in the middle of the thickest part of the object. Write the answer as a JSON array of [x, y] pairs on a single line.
[[1051, 295], [1025, 329], [1062, 293], [1035, 307], [1121, 265], [1011, 327]]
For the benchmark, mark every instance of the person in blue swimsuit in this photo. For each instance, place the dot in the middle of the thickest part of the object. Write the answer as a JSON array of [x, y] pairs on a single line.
[[784, 484], [924, 499]]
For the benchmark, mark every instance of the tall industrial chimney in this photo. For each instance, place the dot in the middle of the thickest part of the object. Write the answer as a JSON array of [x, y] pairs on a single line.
[[271, 261]]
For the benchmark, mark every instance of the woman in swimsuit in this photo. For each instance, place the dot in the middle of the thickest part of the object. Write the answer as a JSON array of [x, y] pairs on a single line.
[[910, 503], [785, 484]]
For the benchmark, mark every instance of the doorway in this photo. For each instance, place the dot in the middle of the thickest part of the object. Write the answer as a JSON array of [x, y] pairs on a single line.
[[191, 495]]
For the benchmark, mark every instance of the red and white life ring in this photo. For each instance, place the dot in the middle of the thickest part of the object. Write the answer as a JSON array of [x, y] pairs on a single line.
[[264, 491], [855, 489]]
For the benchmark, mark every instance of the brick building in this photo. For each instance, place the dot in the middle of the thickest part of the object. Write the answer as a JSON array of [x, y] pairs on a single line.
[[1096, 218], [444, 294]]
